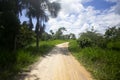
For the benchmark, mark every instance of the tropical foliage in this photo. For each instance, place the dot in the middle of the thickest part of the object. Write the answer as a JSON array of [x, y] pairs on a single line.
[[99, 53]]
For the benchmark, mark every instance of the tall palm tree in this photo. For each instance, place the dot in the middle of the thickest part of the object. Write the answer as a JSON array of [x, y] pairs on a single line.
[[36, 9]]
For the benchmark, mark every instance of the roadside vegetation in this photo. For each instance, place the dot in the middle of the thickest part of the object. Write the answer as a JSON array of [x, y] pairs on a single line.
[[17, 37], [12, 63], [15, 58], [21, 45], [100, 54]]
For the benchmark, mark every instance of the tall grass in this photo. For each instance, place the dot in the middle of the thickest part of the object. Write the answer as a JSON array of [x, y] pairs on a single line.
[[12, 63], [103, 63]]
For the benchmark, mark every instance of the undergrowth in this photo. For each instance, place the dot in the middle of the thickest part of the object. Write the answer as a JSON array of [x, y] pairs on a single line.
[[13, 62], [104, 64]]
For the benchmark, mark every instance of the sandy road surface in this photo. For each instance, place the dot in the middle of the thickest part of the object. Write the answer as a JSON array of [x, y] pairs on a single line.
[[59, 64]]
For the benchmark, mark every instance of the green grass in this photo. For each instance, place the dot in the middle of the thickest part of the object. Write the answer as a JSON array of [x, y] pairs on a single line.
[[104, 64], [12, 63]]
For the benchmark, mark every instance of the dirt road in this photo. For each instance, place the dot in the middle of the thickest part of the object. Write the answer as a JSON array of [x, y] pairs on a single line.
[[59, 64]]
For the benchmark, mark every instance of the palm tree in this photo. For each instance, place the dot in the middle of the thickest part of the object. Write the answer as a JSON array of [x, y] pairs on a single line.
[[36, 9], [51, 31]]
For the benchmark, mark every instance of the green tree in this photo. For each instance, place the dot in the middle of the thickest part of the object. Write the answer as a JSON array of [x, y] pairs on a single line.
[[51, 31], [36, 9], [9, 23], [26, 36], [45, 36], [112, 34], [67, 36], [59, 33], [52, 34], [72, 36]]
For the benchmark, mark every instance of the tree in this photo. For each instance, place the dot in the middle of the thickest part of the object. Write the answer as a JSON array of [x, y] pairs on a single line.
[[45, 36], [26, 36], [9, 23], [36, 9], [67, 36], [51, 31], [72, 36], [112, 34], [52, 34], [59, 33]]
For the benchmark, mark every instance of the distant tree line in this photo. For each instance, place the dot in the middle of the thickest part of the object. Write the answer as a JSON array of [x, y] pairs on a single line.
[[57, 35]]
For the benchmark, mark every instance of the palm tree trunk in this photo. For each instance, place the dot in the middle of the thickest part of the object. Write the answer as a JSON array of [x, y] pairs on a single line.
[[30, 22], [37, 41], [37, 33]]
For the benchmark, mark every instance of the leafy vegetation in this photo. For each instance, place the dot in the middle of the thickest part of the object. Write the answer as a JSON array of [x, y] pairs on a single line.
[[12, 63], [11, 31], [16, 50], [100, 53], [103, 61], [104, 64]]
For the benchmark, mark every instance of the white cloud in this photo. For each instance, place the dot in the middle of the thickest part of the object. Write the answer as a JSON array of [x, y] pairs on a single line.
[[117, 6], [76, 18]]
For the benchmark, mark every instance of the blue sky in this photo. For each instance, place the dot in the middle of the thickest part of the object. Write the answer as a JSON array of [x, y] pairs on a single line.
[[99, 4], [77, 16]]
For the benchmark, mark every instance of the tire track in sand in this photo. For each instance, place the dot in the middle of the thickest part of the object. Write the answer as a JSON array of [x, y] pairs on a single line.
[[59, 64]]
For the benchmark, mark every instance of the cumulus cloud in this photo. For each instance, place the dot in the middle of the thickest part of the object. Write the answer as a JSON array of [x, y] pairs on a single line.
[[77, 19], [117, 6]]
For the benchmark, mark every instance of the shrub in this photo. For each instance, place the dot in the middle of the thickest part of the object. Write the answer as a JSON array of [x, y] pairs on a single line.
[[90, 38], [104, 64], [84, 42], [114, 45]]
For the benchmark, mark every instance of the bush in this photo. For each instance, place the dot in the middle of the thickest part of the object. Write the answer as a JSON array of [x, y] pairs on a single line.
[[24, 58], [114, 45], [104, 64], [91, 38], [84, 42]]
